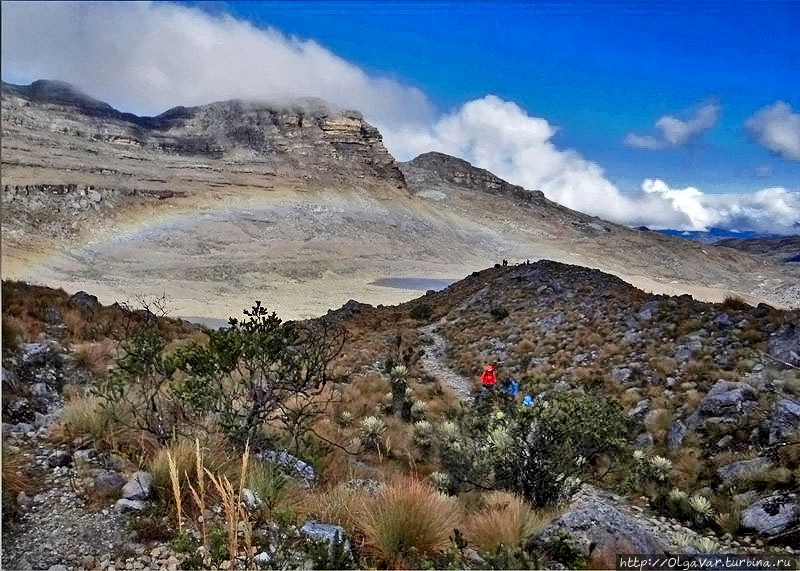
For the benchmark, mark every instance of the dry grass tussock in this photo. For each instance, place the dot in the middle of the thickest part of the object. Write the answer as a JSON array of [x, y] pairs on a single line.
[[408, 518], [505, 521], [183, 454]]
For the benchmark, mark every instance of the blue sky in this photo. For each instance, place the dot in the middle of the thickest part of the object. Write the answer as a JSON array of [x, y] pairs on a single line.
[[576, 88], [597, 70]]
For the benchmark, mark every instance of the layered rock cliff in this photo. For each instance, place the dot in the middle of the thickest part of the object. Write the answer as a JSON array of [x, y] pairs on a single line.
[[305, 136]]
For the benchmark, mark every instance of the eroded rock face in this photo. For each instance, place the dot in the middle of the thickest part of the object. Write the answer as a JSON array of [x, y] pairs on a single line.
[[306, 135], [773, 515]]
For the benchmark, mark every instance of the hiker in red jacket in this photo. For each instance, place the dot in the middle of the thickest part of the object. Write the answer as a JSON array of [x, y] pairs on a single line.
[[488, 378]]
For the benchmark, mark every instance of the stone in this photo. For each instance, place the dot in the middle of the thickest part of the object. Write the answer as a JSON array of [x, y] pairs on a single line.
[[677, 432], [727, 399], [59, 458], [251, 500], [785, 419], [126, 505], [722, 321], [138, 486], [263, 557], [35, 353], [741, 469], [108, 482], [621, 374], [643, 441], [87, 562], [325, 532], [637, 412], [85, 300], [83, 456], [304, 470], [596, 522], [771, 516]]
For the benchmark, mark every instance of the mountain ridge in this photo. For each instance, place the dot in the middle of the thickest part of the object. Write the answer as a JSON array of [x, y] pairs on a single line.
[[235, 195]]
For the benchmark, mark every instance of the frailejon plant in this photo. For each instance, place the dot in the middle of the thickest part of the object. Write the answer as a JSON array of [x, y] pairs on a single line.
[[701, 508]]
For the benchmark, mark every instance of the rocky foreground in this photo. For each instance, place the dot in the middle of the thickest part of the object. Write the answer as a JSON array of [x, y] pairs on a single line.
[[711, 393]]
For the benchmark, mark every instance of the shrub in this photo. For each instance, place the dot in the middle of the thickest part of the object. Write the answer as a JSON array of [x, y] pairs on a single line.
[[537, 451], [244, 377], [408, 519], [734, 302], [421, 312], [506, 521]]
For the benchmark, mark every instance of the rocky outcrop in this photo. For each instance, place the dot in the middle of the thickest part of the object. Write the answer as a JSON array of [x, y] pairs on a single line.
[[461, 173], [772, 516], [305, 136], [727, 399], [785, 420], [597, 521]]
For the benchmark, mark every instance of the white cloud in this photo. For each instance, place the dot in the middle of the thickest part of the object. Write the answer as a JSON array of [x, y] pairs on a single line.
[[676, 132], [501, 137], [148, 57], [777, 127]]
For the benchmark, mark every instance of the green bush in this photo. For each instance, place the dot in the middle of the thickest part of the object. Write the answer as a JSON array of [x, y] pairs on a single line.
[[421, 312], [538, 451], [246, 376]]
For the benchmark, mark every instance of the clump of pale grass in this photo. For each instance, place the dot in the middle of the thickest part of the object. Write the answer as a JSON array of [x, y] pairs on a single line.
[[408, 518], [506, 520]]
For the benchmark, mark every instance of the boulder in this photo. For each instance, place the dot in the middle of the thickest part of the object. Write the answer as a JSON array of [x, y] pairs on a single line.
[[302, 469], [728, 399], [784, 420], [772, 516], [741, 469], [108, 482], [126, 505], [784, 344], [85, 300], [59, 458], [325, 532], [598, 522], [677, 432], [138, 486]]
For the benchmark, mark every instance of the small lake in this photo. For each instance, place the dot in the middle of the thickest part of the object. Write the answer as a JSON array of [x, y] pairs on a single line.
[[210, 322], [420, 284]]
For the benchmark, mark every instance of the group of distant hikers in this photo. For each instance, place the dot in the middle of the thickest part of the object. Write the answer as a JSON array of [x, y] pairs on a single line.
[[489, 382]]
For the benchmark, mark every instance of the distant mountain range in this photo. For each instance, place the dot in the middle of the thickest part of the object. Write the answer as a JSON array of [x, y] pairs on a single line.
[[223, 203]]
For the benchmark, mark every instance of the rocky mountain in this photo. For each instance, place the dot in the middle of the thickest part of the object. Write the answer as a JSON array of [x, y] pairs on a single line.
[[782, 250], [280, 135], [238, 200]]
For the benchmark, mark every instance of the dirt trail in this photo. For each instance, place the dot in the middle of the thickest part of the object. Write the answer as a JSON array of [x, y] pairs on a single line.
[[434, 362]]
